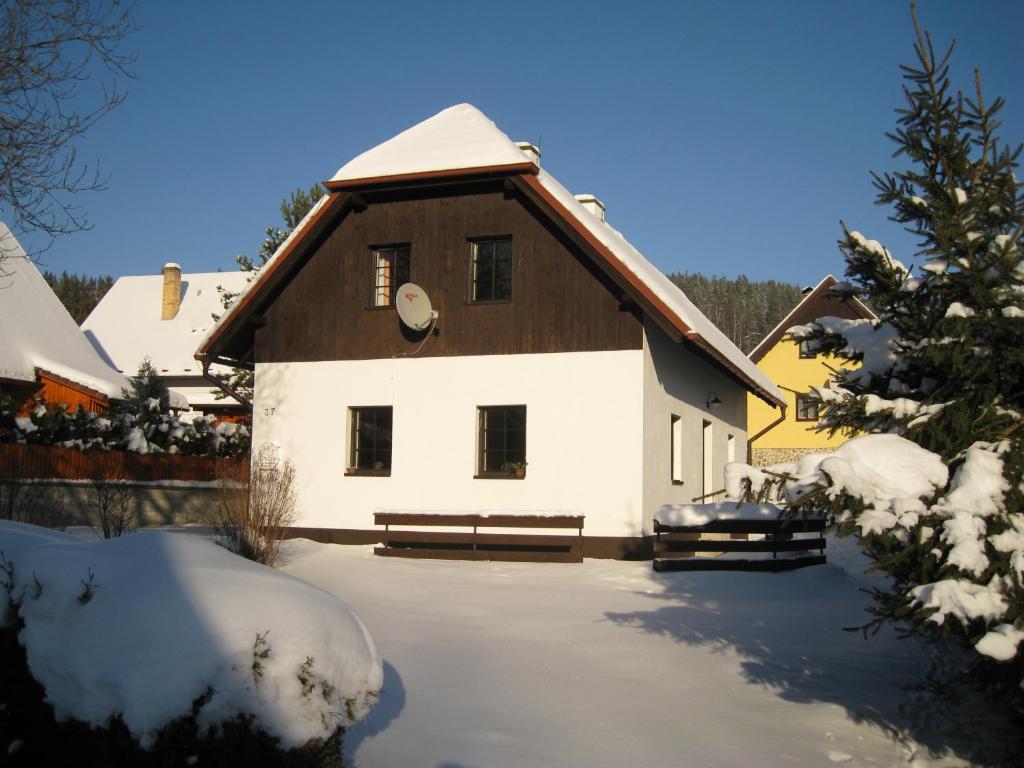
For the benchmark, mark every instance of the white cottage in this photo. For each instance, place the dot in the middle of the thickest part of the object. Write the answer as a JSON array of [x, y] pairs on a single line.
[[162, 317], [556, 345]]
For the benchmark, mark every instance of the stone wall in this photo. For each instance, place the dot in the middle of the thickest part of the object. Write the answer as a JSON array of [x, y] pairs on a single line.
[[763, 457], [156, 503]]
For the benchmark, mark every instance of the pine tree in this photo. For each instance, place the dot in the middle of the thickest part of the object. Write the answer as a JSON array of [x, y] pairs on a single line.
[[146, 392], [293, 210], [743, 310], [78, 293], [942, 366]]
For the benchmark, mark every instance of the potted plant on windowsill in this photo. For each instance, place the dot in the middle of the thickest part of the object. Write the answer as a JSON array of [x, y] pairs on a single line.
[[515, 468]]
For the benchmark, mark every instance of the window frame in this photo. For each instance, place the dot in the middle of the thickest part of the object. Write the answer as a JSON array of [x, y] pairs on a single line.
[[474, 245], [804, 351], [377, 252], [482, 430], [355, 416], [804, 401], [676, 449]]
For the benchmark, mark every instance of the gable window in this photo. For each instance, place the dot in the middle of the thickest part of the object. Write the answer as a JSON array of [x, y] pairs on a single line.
[[806, 407], [370, 440], [501, 440], [491, 270], [807, 349], [390, 270]]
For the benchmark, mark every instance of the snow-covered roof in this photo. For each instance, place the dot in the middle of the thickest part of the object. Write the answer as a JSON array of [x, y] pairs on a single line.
[[125, 326], [461, 139], [36, 330]]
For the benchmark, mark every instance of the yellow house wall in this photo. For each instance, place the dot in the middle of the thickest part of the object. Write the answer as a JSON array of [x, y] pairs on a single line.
[[783, 365]]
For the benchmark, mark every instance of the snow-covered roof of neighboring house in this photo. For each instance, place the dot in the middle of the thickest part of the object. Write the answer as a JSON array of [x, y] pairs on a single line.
[[804, 312], [125, 327], [36, 331], [461, 142]]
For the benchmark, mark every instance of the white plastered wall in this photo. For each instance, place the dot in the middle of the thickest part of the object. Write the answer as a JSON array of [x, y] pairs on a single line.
[[584, 438], [679, 382]]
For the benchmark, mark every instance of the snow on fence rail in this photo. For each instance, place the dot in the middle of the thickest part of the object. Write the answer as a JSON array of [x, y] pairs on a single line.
[[47, 462]]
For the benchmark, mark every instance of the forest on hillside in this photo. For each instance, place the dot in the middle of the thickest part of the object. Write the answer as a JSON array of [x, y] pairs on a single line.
[[744, 310], [78, 293]]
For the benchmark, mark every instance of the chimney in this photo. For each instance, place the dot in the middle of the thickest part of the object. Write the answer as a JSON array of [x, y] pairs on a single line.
[[592, 204], [531, 151], [172, 291]]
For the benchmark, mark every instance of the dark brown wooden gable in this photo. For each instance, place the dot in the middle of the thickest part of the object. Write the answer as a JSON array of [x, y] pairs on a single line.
[[561, 302], [819, 303]]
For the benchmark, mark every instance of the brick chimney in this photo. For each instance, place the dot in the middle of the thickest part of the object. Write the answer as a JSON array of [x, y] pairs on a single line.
[[172, 291]]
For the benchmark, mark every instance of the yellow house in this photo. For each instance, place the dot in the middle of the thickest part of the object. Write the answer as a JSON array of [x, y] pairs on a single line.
[[775, 437]]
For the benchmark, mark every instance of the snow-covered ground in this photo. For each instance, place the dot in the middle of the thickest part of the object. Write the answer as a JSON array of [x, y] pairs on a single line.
[[610, 664]]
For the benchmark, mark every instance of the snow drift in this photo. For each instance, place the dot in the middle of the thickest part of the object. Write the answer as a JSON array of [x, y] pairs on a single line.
[[141, 626]]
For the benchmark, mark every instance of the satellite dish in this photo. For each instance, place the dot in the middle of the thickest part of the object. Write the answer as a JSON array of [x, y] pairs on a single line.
[[414, 307]]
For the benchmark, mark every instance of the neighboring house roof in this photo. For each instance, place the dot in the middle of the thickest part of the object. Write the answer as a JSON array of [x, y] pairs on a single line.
[[36, 331], [462, 142], [812, 306], [125, 327]]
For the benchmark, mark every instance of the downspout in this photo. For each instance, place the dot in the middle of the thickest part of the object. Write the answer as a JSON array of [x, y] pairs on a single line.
[[222, 386], [750, 440]]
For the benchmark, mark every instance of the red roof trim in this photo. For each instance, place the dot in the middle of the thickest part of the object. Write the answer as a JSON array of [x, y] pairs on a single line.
[[661, 310], [336, 185], [298, 239]]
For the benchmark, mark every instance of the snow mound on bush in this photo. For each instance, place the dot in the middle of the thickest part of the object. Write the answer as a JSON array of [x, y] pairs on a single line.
[[876, 467], [143, 625]]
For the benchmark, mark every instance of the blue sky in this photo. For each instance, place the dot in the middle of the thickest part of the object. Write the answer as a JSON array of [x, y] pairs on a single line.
[[724, 138]]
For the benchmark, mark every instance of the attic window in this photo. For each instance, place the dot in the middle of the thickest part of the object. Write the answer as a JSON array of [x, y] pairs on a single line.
[[491, 270], [390, 270], [807, 349]]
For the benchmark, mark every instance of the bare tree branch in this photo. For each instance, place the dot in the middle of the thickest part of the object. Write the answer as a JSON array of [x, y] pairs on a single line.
[[49, 50]]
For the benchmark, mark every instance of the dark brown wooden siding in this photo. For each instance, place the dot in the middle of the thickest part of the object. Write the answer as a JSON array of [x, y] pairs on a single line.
[[560, 301]]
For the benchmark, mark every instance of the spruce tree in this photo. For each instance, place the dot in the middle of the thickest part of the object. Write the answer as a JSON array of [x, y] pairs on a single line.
[[942, 366]]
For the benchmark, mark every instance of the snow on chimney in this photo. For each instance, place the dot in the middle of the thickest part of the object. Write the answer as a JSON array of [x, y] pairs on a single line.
[[532, 151], [592, 204], [172, 291]]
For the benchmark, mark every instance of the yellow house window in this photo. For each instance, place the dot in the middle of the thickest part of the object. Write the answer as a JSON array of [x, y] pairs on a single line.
[[806, 407]]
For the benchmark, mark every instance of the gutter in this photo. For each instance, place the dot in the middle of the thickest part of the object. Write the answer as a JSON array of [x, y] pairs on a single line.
[[224, 387], [750, 440]]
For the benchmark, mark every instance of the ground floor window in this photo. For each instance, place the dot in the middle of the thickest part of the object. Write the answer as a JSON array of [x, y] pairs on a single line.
[[370, 440], [501, 440], [676, 454], [806, 407]]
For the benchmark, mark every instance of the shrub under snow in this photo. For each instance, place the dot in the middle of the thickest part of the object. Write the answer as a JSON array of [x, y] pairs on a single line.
[[144, 625]]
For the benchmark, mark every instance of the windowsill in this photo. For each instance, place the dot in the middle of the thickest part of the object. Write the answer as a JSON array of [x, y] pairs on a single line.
[[677, 482], [808, 421], [488, 303], [354, 472], [380, 309], [497, 476]]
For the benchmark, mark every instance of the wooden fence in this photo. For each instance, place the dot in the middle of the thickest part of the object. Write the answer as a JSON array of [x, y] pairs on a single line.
[[48, 462]]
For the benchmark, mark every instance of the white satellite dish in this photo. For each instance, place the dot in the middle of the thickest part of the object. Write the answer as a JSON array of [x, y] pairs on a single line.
[[414, 307]]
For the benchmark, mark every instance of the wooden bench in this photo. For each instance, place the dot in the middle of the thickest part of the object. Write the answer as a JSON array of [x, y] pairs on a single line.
[[475, 544], [676, 546]]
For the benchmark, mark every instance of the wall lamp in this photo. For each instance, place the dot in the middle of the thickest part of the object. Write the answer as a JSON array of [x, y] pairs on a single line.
[[713, 401]]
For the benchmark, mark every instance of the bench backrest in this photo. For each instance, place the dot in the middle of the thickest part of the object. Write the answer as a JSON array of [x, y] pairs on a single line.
[[479, 521]]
